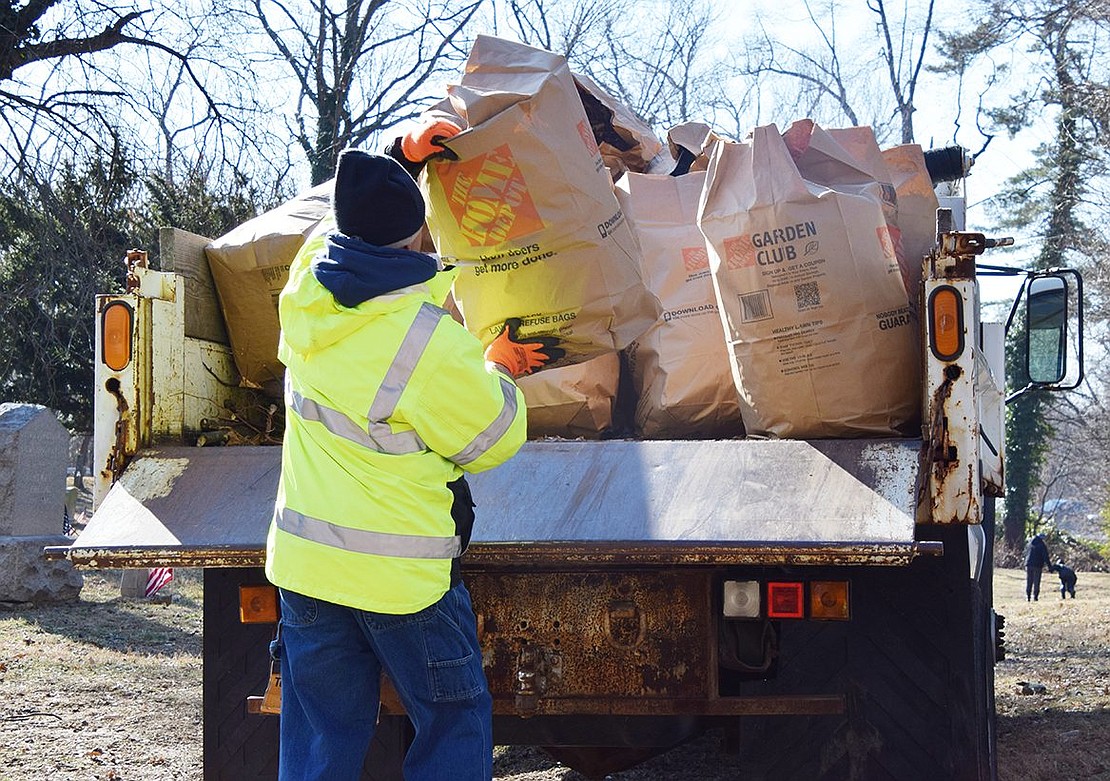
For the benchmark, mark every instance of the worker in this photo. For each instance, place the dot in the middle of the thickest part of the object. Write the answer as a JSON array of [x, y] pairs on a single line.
[[1036, 559], [389, 401]]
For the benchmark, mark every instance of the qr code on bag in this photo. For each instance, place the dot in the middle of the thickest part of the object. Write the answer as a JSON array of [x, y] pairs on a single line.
[[807, 295]]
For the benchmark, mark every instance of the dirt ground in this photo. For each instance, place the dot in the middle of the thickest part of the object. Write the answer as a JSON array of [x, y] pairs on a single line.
[[1064, 646], [109, 689]]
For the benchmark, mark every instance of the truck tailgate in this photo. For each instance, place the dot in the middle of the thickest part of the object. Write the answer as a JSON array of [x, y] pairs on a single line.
[[558, 502]]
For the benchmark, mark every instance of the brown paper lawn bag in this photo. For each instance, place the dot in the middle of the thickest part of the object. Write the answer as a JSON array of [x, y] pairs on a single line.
[[572, 402], [250, 266], [849, 160], [815, 309], [528, 209], [625, 142], [680, 366], [917, 206]]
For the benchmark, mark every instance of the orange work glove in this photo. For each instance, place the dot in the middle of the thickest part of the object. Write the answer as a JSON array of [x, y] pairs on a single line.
[[519, 358], [426, 140]]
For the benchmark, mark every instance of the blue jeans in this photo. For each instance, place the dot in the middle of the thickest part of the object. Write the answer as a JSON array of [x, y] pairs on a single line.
[[332, 658]]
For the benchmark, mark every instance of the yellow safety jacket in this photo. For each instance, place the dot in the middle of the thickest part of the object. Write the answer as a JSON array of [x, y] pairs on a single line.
[[386, 402]]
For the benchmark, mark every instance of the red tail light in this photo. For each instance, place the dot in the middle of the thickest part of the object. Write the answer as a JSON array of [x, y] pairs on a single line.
[[785, 600]]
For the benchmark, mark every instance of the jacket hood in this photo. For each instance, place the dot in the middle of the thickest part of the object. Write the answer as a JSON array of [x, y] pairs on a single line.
[[373, 281], [355, 271]]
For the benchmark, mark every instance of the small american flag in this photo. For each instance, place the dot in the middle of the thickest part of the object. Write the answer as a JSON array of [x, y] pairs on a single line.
[[156, 578], [68, 525]]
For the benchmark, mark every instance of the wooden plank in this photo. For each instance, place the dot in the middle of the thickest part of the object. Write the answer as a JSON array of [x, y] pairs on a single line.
[[183, 253]]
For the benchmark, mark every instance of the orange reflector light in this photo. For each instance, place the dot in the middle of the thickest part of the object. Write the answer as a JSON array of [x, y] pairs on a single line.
[[828, 600], [785, 600], [115, 335], [946, 312], [258, 604]]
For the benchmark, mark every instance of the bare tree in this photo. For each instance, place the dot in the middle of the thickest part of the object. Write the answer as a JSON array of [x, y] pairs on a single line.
[[904, 53], [1066, 80], [163, 79], [581, 31], [818, 72], [1074, 468], [669, 72], [181, 141], [832, 70], [673, 74], [361, 67], [52, 73]]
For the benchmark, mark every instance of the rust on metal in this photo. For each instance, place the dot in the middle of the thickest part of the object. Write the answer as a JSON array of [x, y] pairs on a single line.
[[801, 705], [134, 259], [547, 650], [961, 268], [748, 705], [523, 557], [570, 636], [494, 557], [157, 556], [625, 624], [119, 454], [752, 705], [960, 249], [940, 448], [945, 462], [537, 667], [964, 244], [548, 647]]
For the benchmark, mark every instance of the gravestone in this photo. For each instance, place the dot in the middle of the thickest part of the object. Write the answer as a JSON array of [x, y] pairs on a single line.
[[33, 454]]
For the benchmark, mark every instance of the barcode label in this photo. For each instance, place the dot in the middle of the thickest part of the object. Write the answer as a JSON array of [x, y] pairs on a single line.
[[807, 295], [755, 306]]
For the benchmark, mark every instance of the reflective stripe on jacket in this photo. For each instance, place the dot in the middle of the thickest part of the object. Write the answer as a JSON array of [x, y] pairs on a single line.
[[386, 403]]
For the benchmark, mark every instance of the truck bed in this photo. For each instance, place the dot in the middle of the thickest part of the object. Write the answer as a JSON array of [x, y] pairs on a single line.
[[558, 502]]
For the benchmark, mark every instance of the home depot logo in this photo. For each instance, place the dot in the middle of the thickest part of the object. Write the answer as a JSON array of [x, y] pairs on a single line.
[[587, 136], [739, 252], [890, 240], [695, 259], [489, 198]]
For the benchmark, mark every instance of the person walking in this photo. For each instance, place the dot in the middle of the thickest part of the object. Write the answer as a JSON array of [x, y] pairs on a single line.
[[1036, 558], [389, 401]]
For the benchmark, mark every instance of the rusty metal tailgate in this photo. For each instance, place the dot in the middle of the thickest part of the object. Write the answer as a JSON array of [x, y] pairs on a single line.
[[558, 502]]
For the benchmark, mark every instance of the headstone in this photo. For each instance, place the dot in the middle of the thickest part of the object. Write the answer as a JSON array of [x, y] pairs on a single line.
[[33, 455], [132, 583], [27, 577], [34, 447]]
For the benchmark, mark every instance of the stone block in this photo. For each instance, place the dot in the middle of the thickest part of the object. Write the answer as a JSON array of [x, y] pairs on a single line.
[[27, 577], [33, 452]]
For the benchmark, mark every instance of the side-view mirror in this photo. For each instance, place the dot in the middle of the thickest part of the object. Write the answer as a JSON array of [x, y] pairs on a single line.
[[1046, 326], [1053, 330]]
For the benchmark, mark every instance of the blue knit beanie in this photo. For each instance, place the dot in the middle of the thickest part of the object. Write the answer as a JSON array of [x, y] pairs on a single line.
[[375, 199]]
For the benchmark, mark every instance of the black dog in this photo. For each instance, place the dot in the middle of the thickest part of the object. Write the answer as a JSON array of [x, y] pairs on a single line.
[[1067, 578]]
